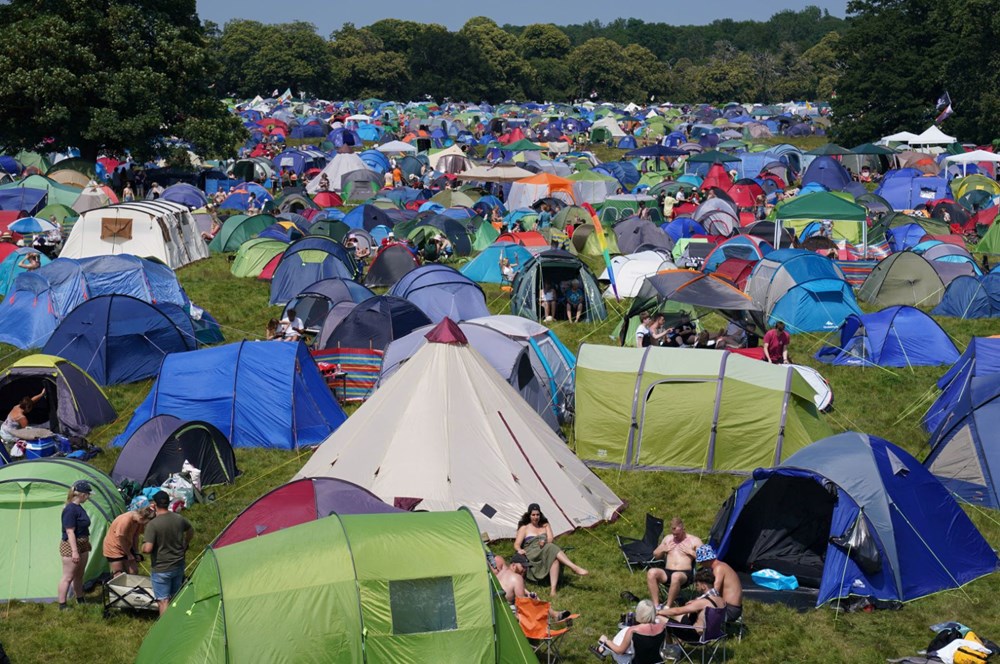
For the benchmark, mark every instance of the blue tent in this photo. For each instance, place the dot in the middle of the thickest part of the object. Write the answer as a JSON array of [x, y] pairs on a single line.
[[314, 302], [905, 236], [371, 324], [906, 193], [258, 393], [980, 359], [120, 339], [683, 227], [240, 198], [441, 292], [827, 171], [971, 297], [853, 514], [28, 313], [964, 453], [185, 194], [745, 247], [23, 199], [307, 261], [367, 217], [10, 267], [485, 268], [897, 336]]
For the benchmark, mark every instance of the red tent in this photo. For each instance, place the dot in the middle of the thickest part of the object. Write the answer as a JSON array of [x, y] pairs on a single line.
[[745, 192], [268, 272], [717, 176], [327, 199], [736, 271], [525, 239]]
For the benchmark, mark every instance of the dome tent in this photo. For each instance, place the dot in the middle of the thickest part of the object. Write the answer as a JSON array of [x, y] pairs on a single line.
[[160, 447], [389, 265], [121, 339], [315, 301], [441, 291], [258, 393], [79, 403], [371, 324], [33, 494], [552, 267], [307, 261], [853, 514], [893, 337], [980, 359]]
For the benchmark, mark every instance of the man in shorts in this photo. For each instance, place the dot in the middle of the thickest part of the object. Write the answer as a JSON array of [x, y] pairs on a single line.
[[727, 581], [167, 539], [679, 550]]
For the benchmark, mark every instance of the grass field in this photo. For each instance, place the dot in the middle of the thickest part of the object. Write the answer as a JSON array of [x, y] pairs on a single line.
[[886, 403]]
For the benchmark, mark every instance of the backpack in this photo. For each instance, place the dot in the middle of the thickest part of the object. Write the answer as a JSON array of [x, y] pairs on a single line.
[[943, 638], [966, 655]]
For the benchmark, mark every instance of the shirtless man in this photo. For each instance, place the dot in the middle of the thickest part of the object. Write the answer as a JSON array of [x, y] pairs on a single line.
[[727, 581], [511, 578], [679, 550]]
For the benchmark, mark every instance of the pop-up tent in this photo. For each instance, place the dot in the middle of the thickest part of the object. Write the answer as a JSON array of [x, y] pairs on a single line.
[[447, 430], [389, 265], [377, 589], [903, 278], [372, 323], [238, 229], [964, 453], [893, 337], [853, 515], [32, 498], [300, 501], [121, 339], [73, 405], [160, 447], [485, 268], [315, 301], [253, 255], [258, 393], [683, 408]]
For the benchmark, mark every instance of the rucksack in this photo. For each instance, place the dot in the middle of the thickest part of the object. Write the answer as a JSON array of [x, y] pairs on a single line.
[[943, 638], [966, 655]]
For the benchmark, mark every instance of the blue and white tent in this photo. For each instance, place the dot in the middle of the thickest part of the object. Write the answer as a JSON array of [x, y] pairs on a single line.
[[897, 336], [853, 514], [258, 393]]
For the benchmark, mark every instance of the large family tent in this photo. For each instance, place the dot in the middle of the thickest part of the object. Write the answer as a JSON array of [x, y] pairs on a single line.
[[853, 515], [121, 339], [237, 229], [307, 261], [441, 291], [74, 404], [158, 229], [315, 301], [300, 501], [377, 590], [906, 191], [971, 297], [29, 313], [390, 264], [485, 268], [446, 431], [160, 447], [682, 408], [371, 324], [980, 359], [253, 255], [964, 453], [806, 291], [903, 278], [258, 393], [849, 220], [32, 496], [555, 267], [556, 361], [894, 337], [511, 360]]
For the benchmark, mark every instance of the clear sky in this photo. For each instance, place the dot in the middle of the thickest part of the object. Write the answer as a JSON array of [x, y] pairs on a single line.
[[329, 16]]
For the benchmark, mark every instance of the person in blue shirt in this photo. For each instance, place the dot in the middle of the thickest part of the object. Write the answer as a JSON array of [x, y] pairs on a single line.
[[74, 548]]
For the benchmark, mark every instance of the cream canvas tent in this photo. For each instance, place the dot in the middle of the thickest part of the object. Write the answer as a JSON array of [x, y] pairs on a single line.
[[448, 431], [158, 229], [343, 163]]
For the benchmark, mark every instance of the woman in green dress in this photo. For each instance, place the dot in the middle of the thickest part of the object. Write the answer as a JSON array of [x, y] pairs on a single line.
[[534, 540]]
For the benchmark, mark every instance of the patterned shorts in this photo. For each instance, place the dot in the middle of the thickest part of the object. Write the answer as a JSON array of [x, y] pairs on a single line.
[[82, 545]]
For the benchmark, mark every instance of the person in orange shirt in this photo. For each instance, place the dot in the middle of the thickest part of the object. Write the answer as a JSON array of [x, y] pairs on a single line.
[[122, 541]]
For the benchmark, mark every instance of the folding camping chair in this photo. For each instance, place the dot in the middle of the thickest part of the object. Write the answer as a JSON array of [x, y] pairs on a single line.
[[639, 552], [648, 649], [710, 643], [533, 616]]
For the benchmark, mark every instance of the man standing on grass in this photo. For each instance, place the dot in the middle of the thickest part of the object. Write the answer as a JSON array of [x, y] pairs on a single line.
[[167, 539], [776, 342]]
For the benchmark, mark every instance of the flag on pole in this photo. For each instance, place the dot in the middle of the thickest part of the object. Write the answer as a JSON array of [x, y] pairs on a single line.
[[944, 108]]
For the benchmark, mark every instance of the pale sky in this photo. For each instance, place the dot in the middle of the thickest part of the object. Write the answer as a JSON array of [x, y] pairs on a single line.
[[329, 16]]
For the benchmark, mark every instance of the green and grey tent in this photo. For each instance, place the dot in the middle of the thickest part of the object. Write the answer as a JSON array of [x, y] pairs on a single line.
[[355, 588], [32, 497], [254, 255], [689, 409], [905, 278]]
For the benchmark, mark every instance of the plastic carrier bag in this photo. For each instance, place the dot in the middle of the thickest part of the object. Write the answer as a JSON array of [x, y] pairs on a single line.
[[774, 580]]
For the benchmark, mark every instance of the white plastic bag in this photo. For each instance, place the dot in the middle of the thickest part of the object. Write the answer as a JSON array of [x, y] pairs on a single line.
[[193, 473], [180, 489]]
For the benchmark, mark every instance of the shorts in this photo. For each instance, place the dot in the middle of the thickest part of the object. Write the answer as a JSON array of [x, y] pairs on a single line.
[[685, 572], [166, 584], [82, 545], [118, 560], [733, 613]]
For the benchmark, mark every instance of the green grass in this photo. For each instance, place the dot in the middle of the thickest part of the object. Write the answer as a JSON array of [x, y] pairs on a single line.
[[873, 400]]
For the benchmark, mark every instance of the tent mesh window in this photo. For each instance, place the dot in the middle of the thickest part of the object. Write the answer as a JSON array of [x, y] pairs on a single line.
[[113, 228], [422, 605]]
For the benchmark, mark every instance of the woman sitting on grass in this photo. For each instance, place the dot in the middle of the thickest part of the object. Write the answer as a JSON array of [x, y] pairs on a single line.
[[534, 540]]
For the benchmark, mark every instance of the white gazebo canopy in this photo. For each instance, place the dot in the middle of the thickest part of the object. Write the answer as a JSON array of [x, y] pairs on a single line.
[[899, 137], [933, 136], [974, 157]]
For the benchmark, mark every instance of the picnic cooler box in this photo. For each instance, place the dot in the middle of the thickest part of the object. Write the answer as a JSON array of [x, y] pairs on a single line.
[[129, 592]]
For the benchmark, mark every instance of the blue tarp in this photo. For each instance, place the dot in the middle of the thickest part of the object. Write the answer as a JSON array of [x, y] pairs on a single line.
[[971, 297], [259, 393], [897, 336], [912, 538], [441, 291], [120, 339]]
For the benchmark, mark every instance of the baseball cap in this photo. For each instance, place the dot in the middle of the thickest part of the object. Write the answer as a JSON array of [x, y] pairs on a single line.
[[82, 486], [704, 553]]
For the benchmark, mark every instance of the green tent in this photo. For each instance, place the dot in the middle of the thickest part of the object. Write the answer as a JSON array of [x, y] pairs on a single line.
[[254, 255], [484, 235], [684, 408], [360, 588], [237, 229], [32, 497], [586, 243], [990, 244], [847, 216], [338, 230], [57, 193], [904, 278], [523, 145]]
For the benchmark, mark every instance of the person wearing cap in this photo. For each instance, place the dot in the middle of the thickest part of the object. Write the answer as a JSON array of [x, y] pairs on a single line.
[[167, 539], [534, 541], [75, 544], [727, 581]]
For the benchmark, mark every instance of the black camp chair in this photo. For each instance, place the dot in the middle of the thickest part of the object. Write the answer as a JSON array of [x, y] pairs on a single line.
[[639, 552]]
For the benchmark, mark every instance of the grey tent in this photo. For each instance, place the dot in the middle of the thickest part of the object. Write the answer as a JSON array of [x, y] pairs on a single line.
[[903, 278], [389, 266], [635, 232], [554, 267], [315, 301]]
